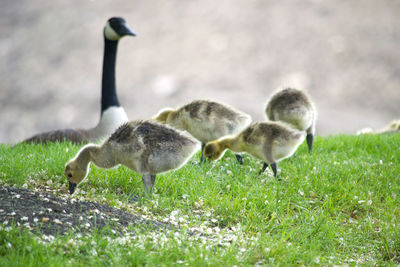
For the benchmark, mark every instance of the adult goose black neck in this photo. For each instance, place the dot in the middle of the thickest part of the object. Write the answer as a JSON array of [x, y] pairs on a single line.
[[108, 87]]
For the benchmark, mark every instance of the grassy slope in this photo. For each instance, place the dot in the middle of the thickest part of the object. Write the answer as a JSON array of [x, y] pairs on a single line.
[[339, 205]]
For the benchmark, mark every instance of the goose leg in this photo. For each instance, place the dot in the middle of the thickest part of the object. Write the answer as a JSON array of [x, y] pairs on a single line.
[[239, 159], [310, 139], [265, 166]]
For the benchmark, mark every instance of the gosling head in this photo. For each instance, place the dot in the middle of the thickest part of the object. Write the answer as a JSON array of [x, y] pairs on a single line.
[[116, 28], [213, 150], [74, 174], [163, 115]]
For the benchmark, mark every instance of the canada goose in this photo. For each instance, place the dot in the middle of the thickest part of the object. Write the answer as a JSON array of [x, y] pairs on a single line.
[[268, 141], [112, 114], [146, 147], [293, 106], [206, 121]]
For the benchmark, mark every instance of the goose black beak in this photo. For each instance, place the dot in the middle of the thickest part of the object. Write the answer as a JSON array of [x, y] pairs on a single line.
[[71, 187], [125, 30]]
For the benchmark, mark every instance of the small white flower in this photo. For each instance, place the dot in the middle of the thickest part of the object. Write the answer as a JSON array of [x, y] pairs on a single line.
[[380, 162], [369, 202], [17, 196], [174, 213], [57, 221], [93, 252], [9, 245], [316, 260], [24, 219]]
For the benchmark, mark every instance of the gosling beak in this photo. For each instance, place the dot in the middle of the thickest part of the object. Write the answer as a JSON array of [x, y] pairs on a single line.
[[71, 187]]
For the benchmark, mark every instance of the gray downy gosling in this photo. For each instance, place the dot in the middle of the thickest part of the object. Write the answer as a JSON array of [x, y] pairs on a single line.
[[146, 147], [295, 107], [268, 141], [112, 114], [206, 121]]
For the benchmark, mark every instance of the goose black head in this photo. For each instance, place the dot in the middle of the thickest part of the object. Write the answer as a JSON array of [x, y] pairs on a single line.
[[116, 28]]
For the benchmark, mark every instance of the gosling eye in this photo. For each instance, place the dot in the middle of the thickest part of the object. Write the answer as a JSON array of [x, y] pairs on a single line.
[[70, 175]]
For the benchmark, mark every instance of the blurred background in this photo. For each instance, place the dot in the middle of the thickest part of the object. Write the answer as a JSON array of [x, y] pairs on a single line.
[[346, 54]]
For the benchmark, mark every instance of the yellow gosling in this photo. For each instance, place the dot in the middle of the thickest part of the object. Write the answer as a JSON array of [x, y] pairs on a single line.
[[146, 147], [268, 141], [205, 120], [295, 107]]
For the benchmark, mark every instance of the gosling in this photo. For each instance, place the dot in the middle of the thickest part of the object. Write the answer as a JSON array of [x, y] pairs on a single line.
[[293, 106], [146, 147], [268, 141], [392, 128], [206, 121]]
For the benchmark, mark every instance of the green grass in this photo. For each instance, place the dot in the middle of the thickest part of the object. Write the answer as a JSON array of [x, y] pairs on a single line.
[[339, 205]]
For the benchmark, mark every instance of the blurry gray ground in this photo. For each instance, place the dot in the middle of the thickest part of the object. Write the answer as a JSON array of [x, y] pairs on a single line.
[[345, 53]]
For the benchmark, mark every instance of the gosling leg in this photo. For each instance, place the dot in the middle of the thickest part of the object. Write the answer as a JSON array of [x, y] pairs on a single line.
[[310, 139], [265, 166], [148, 182], [153, 179], [273, 166], [239, 159], [202, 158]]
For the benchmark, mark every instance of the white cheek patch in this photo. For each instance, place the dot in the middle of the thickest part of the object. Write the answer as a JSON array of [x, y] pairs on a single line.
[[110, 34]]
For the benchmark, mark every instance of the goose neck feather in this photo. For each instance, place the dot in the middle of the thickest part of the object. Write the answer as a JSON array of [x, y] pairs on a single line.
[[108, 87]]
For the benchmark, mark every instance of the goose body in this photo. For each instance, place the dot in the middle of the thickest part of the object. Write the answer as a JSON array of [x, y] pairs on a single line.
[[146, 147], [268, 141], [205, 120], [112, 114], [293, 106]]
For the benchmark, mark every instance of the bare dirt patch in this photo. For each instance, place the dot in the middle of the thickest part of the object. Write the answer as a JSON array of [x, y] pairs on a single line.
[[54, 215]]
